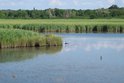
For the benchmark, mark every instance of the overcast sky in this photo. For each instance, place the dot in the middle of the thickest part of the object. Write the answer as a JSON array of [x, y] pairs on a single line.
[[63, 4]]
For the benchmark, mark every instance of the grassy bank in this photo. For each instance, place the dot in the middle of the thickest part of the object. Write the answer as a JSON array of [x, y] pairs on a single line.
[[13, 38], [65, 25]]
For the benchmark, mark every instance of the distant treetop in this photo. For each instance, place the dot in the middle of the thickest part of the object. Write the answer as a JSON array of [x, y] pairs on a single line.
[[113, 7], [112, 12]]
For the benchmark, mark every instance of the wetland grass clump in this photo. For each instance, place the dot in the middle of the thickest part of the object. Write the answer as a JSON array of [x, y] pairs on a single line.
[[52, 40], [13, 38], [77, 28], [66, 25]]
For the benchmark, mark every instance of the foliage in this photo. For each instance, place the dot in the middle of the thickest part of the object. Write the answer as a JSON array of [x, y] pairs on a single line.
[[114, 7], [63, 13]]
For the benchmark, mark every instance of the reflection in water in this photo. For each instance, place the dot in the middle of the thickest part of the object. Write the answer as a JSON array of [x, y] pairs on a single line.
[[88, 59], [89, 44], [19, 54], [101, 58]]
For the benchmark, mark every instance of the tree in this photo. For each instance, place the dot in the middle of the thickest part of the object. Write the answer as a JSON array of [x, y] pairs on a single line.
[[92, 16], [112, 12], [2, 14], [113, 7]]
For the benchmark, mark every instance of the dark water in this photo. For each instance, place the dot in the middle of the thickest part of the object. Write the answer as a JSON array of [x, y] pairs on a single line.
[[88, 58]]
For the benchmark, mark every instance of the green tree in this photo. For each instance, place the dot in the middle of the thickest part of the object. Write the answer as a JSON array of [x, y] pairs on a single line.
[[113, 7]]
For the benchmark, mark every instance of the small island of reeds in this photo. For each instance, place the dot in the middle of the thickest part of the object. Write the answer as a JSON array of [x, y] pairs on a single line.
[[14, 38]]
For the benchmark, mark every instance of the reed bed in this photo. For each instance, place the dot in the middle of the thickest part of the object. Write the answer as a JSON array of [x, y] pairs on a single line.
[[13, 38], [66, 25], [77, 28]]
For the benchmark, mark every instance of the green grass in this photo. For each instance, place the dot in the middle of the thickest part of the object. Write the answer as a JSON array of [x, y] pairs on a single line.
[[63, 21], [12, 38], [65, 25]]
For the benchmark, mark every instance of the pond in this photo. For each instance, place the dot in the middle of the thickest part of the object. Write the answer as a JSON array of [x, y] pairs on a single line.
[[87, 58]]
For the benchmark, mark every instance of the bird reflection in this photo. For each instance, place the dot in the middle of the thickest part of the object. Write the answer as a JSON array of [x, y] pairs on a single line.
[[101, 58]]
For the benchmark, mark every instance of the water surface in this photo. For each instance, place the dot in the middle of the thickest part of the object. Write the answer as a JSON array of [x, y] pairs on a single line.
[[88, 58]]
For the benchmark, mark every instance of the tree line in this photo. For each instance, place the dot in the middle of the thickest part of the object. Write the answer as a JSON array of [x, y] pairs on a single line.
[[112, 12]]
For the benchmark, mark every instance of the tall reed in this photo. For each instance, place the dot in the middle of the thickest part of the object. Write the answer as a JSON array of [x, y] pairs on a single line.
[[12, 38], [66, 25]]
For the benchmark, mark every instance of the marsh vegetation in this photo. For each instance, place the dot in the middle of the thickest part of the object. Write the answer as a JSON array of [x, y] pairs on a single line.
[[66, 25], [13, 38]]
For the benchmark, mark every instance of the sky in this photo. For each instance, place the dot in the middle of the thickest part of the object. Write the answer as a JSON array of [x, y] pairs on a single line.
[[62, 4]]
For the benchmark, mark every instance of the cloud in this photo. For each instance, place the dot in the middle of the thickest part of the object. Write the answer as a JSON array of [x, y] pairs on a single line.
[[75, 2], [55, 2], [64, 4], [111, 1], [11, 3], [87, 3], [7, 3], [122, 1]]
